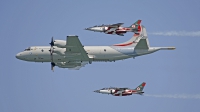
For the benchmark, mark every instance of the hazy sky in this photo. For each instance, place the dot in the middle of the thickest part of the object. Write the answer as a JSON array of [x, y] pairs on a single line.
[[172, 77]]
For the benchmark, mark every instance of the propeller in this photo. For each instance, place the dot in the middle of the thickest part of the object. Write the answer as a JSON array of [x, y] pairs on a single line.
[[52, 66], [51, 54], [52, 42]]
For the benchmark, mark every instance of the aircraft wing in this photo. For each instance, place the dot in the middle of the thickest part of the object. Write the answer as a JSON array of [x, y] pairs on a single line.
[[115, 25], [75, 50], [72, 65]]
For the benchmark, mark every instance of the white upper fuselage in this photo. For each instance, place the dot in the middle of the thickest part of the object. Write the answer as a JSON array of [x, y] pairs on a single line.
[[96, 53], [42, 54], [70, 53]]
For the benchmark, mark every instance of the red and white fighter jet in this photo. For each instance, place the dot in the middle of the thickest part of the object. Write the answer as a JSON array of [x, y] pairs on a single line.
[[117, 29], [122, 91]]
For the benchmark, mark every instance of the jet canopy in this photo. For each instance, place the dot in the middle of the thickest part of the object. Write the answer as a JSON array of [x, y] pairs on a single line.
[[104, 88]]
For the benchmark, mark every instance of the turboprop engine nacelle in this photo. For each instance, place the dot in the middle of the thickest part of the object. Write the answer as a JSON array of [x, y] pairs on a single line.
[[60, 51], [60, 43]]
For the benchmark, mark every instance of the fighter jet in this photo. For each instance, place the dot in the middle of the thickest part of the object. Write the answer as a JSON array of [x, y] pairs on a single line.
[[70, 53], [117, 29], [122, 91]]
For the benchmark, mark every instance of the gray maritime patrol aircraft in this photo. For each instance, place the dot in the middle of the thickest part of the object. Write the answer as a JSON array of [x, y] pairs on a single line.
[[70, 53]]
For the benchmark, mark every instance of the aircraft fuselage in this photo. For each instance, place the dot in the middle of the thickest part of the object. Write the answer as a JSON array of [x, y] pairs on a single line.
[[96, 53], [114, 92]]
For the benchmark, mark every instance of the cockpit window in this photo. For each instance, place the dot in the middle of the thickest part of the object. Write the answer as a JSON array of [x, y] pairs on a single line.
[[27, 49]]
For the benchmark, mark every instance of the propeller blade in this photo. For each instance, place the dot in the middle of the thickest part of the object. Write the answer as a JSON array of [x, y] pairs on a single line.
[[52, 66], [51, 58], [51, 49], [52, 42], [51, 53]]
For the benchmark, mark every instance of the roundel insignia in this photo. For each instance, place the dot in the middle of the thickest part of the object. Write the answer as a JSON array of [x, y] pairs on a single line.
[[138, 88]]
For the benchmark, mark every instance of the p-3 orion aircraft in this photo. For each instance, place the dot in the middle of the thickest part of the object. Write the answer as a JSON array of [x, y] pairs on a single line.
[[122, 91], [117, 29], [70, 53]]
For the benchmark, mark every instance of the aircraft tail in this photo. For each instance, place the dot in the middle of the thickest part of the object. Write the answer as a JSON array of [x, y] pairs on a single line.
[[139, 41], [136, 25], [140, 87], [143, 42]]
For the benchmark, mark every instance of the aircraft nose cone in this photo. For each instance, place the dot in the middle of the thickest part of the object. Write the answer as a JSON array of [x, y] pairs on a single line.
[[87, 28], [19, 56], [97, 91]]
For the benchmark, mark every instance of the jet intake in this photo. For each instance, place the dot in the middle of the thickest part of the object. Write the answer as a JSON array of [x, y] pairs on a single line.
[[60, 43], [112, 91]]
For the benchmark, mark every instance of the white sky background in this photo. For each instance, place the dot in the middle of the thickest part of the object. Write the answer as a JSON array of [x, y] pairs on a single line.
[[31, 87]]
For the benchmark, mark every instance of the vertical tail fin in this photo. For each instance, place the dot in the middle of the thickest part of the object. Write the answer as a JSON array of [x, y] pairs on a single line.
[[140, 87], [136, 25], [135, 39], [143, 43]]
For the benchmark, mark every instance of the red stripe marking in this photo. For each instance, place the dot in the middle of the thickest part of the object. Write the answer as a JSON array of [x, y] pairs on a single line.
[[136, 34], [139, 28], [133, 91], [143, 84], [124, 44], [110, 32], [108, 28], [139, 21]]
